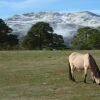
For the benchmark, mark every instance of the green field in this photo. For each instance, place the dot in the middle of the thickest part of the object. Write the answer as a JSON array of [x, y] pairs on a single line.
[[43, 75]]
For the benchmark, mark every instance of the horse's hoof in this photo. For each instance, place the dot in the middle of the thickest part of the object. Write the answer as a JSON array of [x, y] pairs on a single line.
[[94, 81], [84, 81], [99, 84], [73, 80]]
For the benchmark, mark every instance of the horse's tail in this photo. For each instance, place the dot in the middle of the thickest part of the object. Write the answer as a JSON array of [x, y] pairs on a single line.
[[70, 74]]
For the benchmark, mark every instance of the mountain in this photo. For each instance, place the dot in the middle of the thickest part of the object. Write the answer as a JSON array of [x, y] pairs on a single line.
[[65, 24]]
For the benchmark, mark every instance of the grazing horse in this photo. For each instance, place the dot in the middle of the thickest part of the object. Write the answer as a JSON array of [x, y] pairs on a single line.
[[83, 62]]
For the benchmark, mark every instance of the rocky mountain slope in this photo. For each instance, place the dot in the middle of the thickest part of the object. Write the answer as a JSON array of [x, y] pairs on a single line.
[[65, 24]]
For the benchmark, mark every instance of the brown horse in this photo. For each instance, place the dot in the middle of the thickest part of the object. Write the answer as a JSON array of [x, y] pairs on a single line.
[[83, 62]]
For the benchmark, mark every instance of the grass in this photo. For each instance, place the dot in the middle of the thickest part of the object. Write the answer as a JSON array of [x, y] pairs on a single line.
[[43, 75]]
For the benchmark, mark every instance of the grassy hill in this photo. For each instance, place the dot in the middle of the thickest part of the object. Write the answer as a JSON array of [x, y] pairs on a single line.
[[43, 75]]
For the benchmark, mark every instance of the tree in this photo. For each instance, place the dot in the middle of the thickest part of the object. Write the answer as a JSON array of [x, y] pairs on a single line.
[[12, 39], [4, 30], [40, 36], [42, 31], [7, 40], [86, 38], [94, 40], [58, 42], [30, 42]]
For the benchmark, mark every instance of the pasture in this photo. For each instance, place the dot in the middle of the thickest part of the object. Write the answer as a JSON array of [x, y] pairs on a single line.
[[43, 75]]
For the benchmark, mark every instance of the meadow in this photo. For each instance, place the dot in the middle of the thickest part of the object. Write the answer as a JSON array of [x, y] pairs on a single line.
[[43, 75]]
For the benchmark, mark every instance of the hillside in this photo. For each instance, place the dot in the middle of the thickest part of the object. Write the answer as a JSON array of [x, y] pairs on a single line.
[[65, 24]]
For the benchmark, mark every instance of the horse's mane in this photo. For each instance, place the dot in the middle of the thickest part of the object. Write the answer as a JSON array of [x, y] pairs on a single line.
[[94, 67]]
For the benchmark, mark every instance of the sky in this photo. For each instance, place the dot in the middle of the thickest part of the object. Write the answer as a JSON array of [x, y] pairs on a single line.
[[9, 8]]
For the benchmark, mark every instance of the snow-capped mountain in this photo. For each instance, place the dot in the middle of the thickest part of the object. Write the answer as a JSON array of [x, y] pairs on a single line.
[[65, 24]]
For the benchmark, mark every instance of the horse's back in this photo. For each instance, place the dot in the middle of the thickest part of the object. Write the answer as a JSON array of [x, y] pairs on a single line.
[[79, 60], [78, 56]]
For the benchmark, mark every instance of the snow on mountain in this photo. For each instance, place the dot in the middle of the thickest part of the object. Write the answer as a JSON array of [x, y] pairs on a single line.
[[65, 24]]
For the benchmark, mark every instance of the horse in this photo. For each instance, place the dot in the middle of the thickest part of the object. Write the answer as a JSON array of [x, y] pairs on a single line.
[[78, 61]]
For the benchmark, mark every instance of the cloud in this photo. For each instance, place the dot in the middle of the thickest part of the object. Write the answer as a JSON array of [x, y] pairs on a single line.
[[16, 4], [24, 3], [11, 7], [97, 11]]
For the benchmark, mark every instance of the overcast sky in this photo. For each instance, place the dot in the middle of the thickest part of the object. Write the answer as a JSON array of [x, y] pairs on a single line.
[[9, 8]]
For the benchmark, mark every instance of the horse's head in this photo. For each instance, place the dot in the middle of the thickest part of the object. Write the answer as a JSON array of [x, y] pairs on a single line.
[[97, 79]]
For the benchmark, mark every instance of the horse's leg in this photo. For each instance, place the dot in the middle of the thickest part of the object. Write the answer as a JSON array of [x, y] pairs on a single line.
[[85, 74], [73, 79], [72, 72], [92, 77]]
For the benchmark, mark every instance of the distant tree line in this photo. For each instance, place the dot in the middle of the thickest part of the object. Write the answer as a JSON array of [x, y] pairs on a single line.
[[40, 36], [86, 39], [7, 40]]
